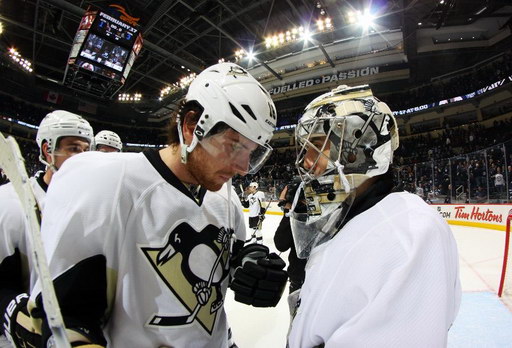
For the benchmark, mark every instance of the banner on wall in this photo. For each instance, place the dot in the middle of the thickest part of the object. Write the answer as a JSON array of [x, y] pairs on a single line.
[[456, 99], [343, 75], [492, 216]]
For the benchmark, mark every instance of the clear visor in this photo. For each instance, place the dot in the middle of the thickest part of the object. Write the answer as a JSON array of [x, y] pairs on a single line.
[[233, 149], [320, 222]]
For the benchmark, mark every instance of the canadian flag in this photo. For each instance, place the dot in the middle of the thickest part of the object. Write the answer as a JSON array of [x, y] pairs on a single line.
[[53, 97]]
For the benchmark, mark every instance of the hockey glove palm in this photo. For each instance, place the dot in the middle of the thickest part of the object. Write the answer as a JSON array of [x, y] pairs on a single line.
[[258, 277]]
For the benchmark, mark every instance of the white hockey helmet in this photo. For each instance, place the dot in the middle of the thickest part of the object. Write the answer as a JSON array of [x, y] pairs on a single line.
[[228, 94], [108, 138], [58, 124], [343, 138], [254, 184]]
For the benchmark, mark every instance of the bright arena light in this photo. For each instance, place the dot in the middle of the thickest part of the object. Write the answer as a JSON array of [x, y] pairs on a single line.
[[365, 19], [306, 35], [1, 28]]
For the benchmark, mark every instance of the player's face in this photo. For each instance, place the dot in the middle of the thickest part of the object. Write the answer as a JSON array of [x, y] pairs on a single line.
[[69, 146], [106, 148], [219, 157], [315, 159]]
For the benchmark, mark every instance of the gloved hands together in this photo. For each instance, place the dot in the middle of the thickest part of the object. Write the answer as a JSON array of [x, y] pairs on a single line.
[[258, 278]]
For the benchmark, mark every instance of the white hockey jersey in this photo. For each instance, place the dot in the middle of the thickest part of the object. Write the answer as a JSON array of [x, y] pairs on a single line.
[[14, 228], [130, 246], [255, 199], [14, 235], [389, 278]]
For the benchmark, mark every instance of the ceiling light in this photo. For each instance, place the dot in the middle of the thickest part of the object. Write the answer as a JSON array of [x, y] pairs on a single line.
[[306, 36], [365, 19]]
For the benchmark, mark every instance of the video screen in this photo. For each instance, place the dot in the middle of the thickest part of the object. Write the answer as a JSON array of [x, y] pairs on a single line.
[[114, 29], [87, 65], [104, 52]]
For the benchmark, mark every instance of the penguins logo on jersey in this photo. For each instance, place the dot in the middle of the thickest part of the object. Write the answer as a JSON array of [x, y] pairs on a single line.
[[193, 265]]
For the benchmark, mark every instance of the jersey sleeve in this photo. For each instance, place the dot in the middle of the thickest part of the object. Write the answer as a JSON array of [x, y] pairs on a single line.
[[80, 225], [14, 278]]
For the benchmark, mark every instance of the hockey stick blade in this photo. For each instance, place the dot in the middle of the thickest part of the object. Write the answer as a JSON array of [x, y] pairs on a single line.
[[13, 164]]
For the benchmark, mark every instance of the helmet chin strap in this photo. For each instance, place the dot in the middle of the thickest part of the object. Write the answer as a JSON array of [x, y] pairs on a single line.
[[343, 177], [185, 149]]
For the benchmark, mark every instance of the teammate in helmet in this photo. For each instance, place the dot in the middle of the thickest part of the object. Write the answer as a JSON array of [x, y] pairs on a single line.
[[108, 141], [61, 135], [141, 250], [383, 265], [254, 202]]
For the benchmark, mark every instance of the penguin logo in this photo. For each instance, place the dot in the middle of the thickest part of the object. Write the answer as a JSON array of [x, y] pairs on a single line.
[[193, 265]]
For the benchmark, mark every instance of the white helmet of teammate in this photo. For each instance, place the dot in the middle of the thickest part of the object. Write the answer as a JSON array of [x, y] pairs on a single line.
[[228, 94], [108, 138], [343, 138], [254, 184], [58, 124]]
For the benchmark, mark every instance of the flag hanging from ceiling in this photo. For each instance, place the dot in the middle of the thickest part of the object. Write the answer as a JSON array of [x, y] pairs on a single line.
[[53, 97]]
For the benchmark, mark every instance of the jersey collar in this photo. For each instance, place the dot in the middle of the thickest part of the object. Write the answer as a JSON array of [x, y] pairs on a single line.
[[156, 161]]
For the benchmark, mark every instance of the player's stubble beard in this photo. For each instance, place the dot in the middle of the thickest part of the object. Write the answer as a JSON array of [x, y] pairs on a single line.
[[203, 168]]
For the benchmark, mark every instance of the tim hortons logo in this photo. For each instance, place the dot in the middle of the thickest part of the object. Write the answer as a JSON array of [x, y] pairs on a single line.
[[125, 16], [487, 215]]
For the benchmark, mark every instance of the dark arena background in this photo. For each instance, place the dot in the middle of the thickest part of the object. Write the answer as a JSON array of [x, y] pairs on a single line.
[[443, 66]]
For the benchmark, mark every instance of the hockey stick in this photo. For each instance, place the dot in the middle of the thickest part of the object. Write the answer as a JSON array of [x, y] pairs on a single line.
[[13, 164]]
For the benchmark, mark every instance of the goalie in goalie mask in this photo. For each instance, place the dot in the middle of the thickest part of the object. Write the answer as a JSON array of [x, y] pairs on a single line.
[[369, 248]]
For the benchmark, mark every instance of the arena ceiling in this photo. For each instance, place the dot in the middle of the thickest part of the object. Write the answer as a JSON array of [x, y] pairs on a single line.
[[183, 36]]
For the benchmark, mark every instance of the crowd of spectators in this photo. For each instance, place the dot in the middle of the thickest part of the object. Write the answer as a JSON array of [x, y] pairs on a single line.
[[463, 162], [461, 84]]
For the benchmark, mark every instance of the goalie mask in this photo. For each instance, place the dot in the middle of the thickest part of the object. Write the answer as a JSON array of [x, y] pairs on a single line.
[[343, 138], [229, 96]]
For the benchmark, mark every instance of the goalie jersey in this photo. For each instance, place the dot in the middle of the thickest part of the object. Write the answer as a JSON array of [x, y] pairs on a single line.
[[137, 258], [389, 278]]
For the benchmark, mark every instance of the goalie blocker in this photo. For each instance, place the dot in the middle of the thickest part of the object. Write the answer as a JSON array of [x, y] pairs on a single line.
[[258, 277]]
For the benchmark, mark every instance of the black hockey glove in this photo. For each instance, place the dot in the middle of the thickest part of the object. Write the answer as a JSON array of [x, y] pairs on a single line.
[[17, 324], [258, 278]]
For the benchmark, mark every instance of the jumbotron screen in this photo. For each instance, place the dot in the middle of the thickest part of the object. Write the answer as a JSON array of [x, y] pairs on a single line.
[[104, 52]]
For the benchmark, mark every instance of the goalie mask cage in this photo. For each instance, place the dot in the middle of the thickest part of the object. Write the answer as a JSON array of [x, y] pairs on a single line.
[[505, 289]]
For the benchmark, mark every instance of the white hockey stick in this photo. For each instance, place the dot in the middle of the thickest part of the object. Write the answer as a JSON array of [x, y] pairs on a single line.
[[13, 164]]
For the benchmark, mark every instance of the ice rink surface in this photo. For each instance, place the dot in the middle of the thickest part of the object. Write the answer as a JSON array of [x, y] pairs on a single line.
[[484, 320]]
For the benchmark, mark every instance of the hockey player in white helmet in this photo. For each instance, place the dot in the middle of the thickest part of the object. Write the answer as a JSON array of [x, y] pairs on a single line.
[[141, 250], [61, 135], [254, 202], [383, 265], [108, 141]]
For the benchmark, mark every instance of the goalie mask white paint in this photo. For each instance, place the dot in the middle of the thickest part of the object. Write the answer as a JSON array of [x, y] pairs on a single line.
[[343, 138], [108, 138], [228, 94], [58, 124]]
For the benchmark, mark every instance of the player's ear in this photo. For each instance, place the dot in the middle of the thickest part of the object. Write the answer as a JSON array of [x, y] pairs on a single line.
[[189, 124], [46, 153]]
